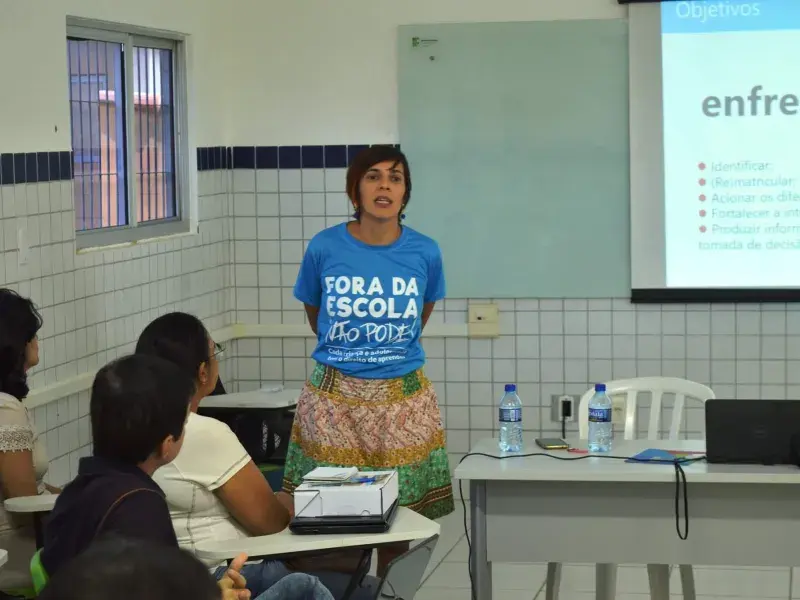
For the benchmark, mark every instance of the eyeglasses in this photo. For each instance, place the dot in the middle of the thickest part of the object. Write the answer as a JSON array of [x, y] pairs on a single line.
[[219, 350]]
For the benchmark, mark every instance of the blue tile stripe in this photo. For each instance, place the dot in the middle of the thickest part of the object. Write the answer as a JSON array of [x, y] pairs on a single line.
[[35, 167], [277, 157], [38, 167]]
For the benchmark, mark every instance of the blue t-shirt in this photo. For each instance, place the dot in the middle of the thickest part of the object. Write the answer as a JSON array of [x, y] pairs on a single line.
[[370, 300]]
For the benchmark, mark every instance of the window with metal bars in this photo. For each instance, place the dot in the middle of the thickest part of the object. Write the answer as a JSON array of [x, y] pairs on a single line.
[[127, 115]]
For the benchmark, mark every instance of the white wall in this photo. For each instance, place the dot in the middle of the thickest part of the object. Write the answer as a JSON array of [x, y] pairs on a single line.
[[325, 72], [33, 71]]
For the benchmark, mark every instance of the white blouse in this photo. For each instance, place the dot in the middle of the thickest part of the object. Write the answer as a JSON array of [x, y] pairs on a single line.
[[18, 434]]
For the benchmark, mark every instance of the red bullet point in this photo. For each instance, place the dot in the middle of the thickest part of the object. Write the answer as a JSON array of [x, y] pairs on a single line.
[[702, 197], [702, 182], [702, 166], [702, 213], [702, 229]]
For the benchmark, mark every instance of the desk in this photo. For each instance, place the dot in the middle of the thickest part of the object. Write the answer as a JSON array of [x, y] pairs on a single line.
[[38, 506], [407, 526], [596, 510], [248, 413], [257, 400]]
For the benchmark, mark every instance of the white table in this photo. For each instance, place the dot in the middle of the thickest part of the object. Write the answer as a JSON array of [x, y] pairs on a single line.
[[407, 526], [38, 506], [539, 509], [258, 400]]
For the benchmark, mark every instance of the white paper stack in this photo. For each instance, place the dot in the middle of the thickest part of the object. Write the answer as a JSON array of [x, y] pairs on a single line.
[[330, 475]]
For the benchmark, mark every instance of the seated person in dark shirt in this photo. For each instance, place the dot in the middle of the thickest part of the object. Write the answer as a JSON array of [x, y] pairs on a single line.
[[139, 407]]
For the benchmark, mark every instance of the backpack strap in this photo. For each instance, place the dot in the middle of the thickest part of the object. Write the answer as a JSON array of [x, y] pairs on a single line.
[[117, 502]]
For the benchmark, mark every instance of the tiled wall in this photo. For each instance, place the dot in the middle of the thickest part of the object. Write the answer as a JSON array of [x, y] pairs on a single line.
[[283, 196], [95, 304], [259, 207]]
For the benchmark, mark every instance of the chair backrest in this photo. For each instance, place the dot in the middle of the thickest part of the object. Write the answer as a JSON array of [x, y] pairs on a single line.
[[404, 574], [681, 389]]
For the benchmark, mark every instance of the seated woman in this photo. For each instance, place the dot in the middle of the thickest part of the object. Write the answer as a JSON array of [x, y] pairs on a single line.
[[23, 458], [214, 489]]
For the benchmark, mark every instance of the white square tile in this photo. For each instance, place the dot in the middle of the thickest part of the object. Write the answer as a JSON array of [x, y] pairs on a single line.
[[339, 205], [244, 205], [335, 180], [291, 204], [291, 228], [290, 180], [268, 205], [313, 180], [269, 251], [267, 180], [313, 204], [244, 180]]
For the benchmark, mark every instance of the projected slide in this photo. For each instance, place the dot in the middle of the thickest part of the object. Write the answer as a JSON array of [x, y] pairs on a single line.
[[731, 105]]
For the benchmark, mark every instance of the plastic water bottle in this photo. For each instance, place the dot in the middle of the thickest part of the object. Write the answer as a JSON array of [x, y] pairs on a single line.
[[601, 429], [510, 420]]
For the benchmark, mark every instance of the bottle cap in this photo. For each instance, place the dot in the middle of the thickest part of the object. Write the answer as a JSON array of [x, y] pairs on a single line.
[[511, 387], [600, 387]]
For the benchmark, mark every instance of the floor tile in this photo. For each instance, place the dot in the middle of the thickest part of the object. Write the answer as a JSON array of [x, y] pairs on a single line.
[[631, 579], [590, 596], [737, 582], [464, 594]]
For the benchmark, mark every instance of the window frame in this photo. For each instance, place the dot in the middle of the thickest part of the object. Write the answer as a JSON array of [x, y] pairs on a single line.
[[129, 37]]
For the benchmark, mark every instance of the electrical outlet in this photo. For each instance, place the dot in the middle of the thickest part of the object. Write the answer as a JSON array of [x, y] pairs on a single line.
[[618, 410], [558, 404], [483, 321]]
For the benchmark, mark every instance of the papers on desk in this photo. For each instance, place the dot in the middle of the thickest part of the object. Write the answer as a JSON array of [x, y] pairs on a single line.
[[330, 475]]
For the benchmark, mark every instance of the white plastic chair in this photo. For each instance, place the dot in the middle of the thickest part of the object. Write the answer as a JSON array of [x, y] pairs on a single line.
[[657, 387]]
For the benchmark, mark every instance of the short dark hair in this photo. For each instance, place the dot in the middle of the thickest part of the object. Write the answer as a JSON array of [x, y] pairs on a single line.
[[178, 337], [365, 160], [137, 402], [126, 569], [19, 324]]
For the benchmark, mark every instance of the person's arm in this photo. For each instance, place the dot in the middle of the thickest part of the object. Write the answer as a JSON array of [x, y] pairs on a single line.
[[427, 310], [308, 288], [251, 501], [312, 312], [435, 287], [52, 489], [17, 471]]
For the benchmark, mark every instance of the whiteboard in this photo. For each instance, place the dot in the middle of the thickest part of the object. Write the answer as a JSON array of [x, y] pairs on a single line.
[[517, 136]]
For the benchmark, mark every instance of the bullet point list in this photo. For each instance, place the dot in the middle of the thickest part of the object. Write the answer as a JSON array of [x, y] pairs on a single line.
[[702, 213], [702, 182], [702, 229], [702, 166], [702, 197]]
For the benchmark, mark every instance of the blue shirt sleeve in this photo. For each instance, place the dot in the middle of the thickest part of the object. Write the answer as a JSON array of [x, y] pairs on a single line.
[[308, 288], [436, 289]]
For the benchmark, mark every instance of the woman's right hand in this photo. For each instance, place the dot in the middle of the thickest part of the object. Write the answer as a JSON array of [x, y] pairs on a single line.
[[233, 583]]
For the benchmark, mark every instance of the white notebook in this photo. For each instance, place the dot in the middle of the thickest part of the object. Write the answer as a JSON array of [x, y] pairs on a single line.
[[330, 474]]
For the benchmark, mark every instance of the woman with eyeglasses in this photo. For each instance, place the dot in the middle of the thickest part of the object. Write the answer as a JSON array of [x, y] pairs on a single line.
[[214, 489]]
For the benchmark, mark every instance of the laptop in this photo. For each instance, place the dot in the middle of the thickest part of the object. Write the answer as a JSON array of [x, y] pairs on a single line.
[[345, 523], [764, 432]]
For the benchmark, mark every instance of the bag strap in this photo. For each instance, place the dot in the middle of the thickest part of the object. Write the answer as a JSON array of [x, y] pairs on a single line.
[[116, 503]]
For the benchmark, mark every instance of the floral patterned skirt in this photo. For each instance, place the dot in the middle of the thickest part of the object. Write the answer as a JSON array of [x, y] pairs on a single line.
[[374, 424]]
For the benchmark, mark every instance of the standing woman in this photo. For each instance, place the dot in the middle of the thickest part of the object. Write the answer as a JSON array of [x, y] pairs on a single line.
[[369, 286]]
